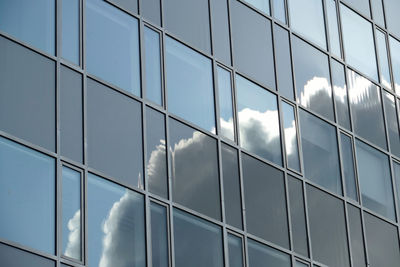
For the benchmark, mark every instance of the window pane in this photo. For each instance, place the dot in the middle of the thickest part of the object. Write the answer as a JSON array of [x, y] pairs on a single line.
[[360, 5], [27, 197], [279, 10], [340, 92], [152, 65], [262, 5], [32, 22], [392, 8], [115, 225], [112, 45], [71, 213], [194, 167], [225, 104], [383, 59], [375, 181], [258, 120], [377, 12], [13, 257], [301, 264], [320, 152], [366, 106], [358, 42], [265, 202], [356, 236], [396, 173], [151, 10], [235, 251], [198, 243], [220, 30], [311, 68], [290, 132], [156, 158], [189, 77], [130, 5], [334, 40], [395, 57], [348, 166], [70, 30], [392, 123], [159, 235], [262, 255], [307, 18]]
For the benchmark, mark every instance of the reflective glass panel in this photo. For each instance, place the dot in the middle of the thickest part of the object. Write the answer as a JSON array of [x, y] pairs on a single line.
[[358, 42], [375, 180], [307, 18], [396, 173], [360, 5], [279, 10], [225, 104], [159, 235], [300, 264], [340, 93], [346, 146], [152, 65], [392, 123], [235, 251], [198, 243], [258, 120], [320, 152], [395, 59], [151, 10], [392, 9], [356, 236], [112, 46], [377, 12], [383, 59], [311, 68], [32, 22], [70, 30], [262, 255], [71, 213], [262, 5], [115, 225], [334, 40], [189, 85], [290, 132], [13, 257], [27, 197], [220, 30]]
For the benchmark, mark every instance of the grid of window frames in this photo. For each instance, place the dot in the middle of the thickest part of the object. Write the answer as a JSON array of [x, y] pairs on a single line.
[[199, 133]]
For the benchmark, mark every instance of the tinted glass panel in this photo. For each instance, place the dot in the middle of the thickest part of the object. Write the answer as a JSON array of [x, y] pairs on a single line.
[[358, 42], [198, 243], [220, 30], [348, 166], [152, 65], [279, 10], [12, 257], [151, 10], [189, 77], [264, 193], [261, 255], [232, 199], [312, 78], [252, 50], [366, 106], [392, 123], [27, 197], [130, 5], [320, 152], [307, 18], [194, 167], [71, 213], [262, 5], [327, 212], [156, 158], [377, 12], [32, 22], [395, 58], [225, 104], [382, 242], [235, 251], [340, 92], [290, 132], [114, 131], [258, 120], [360, 5], [334, 40], [396, 173], [112, 46], [115, 225], [392, 9], [356, 236], [159, 236], [70, 30], [375, 180], [383, 59]]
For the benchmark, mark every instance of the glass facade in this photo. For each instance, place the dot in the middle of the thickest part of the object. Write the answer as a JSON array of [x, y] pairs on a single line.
[[175, 133]]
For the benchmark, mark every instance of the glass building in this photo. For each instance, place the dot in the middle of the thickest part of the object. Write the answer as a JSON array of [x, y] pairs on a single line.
[[188, 133]]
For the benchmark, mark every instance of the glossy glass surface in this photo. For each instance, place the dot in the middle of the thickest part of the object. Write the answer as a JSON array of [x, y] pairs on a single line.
[[307, 18], [32, 22], [130, 5], [151, 10], [279, 10], [13, 257], [235, 249], [346, 147], [232, 199], [70, 30], [383, 59], [392, 8], [374, 180], [156, 158], [356, 236], [225, 104], [392, 122], [112, 46], [340, 93], [152, 65], [115, 219], [377, 12], [198, 243], [27, 197], [220, 30], [361, 6], [334, 40], [194, 169], [396, 173], [290, 133], [320, 152], [258, 120], [262, 5], [159, 235], [395, 59], [71, 213], [366, 107], [313, 84], [300, 264], [262, 255], [358, 42], [265, 202], [327, 226], [189, 84]]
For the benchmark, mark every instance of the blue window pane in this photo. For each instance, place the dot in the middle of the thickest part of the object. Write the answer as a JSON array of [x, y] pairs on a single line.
[[333, 27], [262, 5], [152, 65], [71, 213], [112, 46], [279, 10], [190, 85], [70, 30], [262, 255], [258, 120], [225, 104], [383, 59], [348, 166], [115, 225], [307, 18], [32, 22], [159, 235], [27, 197], [395, 56], [235, 251], [290, 132]]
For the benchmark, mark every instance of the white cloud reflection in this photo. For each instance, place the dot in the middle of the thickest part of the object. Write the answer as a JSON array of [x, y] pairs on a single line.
[[314, 87], [73, 248]]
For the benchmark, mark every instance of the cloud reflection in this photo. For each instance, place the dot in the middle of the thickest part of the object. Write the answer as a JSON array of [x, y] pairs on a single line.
[[73, 248]]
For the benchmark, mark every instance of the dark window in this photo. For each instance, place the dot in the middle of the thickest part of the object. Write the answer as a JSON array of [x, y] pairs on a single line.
[[70, 30], [159, 235], [152, 54], [220, 28], [356, 236], [235, 251], [13, 257], [346, 145], [262, 255], [340, 93]]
